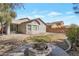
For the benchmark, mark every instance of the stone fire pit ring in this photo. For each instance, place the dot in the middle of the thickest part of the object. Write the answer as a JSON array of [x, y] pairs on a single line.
[[30, 51]]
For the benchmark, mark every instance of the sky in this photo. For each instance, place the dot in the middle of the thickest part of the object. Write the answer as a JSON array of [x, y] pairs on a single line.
[[49, 12]]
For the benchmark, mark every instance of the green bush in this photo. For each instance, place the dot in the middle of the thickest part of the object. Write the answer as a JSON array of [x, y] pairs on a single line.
[[43, 39], [72, 33]]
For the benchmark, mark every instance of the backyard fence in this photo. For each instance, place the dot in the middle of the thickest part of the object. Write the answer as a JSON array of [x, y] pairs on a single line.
[[56, 30]]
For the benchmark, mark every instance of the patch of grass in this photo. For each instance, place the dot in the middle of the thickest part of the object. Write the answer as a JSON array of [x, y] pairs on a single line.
[[44, 39]]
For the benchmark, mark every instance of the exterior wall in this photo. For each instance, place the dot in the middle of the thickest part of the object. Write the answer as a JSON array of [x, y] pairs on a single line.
[[22, 28], [62, 24], [41, 28], [54, 26], [57, 26], [32, 31], [55, 30], [13, 28]]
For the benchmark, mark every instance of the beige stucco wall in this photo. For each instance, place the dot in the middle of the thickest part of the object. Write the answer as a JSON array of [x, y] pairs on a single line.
[[62, 24], [54, 26], [32, 31], [57, 26], [22, 28], [41, 28]]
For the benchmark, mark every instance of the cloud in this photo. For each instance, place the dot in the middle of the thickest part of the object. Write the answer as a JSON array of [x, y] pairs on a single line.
[[67, 19], [34, 12], [30, 17], [39, 11], [70, 12], [35, 16], [70, 17], [38, 16], [64, 18], [43, 11], [54, 14]]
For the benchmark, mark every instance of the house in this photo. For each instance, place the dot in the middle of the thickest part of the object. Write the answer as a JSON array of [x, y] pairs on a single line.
[[27, 26], [57, 27], [57, 24]]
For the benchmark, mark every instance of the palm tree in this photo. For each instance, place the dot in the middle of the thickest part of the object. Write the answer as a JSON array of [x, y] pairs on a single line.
[[7, 13]]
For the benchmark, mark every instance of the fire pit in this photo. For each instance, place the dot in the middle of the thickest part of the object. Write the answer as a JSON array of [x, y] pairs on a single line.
[[38, 49]]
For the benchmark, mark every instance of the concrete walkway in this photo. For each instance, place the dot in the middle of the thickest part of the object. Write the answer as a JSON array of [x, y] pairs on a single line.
[[56, 51]]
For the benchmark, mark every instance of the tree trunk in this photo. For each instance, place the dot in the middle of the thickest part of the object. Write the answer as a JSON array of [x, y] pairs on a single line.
[[1, 28], [8, 29]]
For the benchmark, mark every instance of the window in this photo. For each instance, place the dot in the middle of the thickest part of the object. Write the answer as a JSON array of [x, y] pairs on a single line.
[[29, 27], [34, 27]]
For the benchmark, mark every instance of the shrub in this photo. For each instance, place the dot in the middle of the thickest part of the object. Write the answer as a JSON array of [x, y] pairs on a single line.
[[43, 39], [72, 33]]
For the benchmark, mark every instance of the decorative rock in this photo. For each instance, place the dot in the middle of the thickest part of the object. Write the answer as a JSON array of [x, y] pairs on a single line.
[[38, 49], [19, 51]]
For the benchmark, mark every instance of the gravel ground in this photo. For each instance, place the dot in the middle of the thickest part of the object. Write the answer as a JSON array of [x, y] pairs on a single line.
[[56, 51], [14, 40]]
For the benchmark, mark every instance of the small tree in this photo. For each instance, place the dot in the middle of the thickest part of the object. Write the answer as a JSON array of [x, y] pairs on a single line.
[[72, 34], [77, 42], [7, 13]]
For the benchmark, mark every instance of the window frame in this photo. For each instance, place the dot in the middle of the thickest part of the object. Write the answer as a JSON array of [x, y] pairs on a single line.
[[35, 27]]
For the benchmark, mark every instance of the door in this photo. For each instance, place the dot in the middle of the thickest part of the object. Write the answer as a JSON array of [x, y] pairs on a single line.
[[29, 29]]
